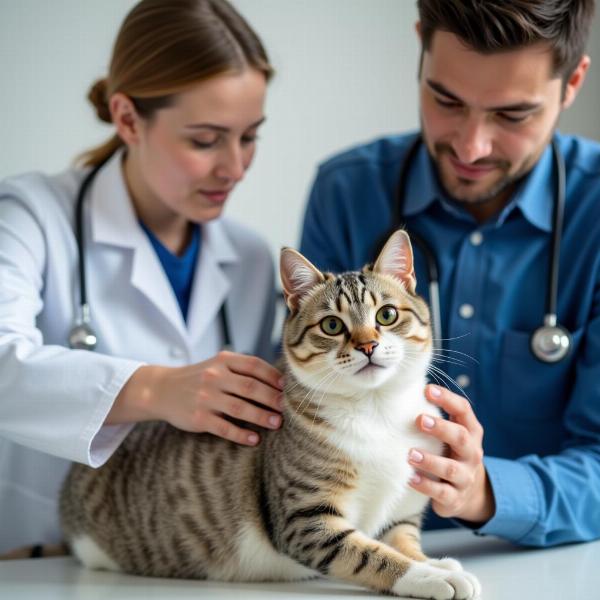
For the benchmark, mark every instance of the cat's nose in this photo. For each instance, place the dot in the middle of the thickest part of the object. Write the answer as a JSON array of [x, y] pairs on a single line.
[[367, 348]]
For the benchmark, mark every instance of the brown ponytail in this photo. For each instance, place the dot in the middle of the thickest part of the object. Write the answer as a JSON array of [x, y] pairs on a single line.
[[164, 47]]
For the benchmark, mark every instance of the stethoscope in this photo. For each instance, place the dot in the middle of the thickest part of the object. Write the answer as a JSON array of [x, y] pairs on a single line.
[[550, 342], [82, 335]]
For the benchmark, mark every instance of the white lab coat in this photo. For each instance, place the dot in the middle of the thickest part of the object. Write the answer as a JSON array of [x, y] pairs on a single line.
[[53, 400]]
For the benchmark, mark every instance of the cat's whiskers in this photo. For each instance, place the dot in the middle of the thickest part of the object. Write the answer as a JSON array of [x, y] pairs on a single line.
[[329, 376], [440, 356], [337, 375], [436, 378], [448, 361], [442, 350], [313, 390], [458, 337], [318, 361], [449, 379]]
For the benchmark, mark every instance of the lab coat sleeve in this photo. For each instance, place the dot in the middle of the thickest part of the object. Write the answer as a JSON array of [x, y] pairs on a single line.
[[52, 399], [544, 501]]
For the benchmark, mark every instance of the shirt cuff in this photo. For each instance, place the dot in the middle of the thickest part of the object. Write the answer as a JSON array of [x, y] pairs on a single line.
[[517, 499]]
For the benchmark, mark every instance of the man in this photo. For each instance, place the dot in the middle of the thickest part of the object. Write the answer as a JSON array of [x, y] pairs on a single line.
[[523, 458]]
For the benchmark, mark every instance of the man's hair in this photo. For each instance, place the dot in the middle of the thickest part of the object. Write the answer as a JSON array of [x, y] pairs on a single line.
[[490, 26]]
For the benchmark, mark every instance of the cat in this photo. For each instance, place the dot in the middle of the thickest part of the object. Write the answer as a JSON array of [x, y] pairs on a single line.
[[327, 494]]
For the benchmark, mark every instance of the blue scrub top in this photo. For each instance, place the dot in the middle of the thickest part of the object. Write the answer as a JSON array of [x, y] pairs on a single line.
[[541, 421], [178, 269]]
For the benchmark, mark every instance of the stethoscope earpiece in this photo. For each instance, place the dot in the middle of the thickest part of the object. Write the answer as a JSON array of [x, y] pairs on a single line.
[[550, 343]]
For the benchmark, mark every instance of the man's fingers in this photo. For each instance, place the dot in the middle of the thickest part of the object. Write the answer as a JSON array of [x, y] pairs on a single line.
[[446, 469], [457, 407], [455, 435], [444, 497], [255, 367]]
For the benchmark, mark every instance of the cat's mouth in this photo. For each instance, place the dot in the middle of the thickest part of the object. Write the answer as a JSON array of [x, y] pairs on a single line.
[[370, 367]]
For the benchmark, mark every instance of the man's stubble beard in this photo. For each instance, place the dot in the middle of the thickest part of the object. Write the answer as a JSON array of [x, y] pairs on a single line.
[[504, 186]]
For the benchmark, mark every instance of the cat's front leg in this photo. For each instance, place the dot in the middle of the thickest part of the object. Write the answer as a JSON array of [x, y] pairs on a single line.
[[405, 536], [333, 547]]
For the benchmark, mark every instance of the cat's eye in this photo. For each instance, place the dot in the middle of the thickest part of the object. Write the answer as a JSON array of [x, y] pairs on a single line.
[[386, 315], [332, 325]]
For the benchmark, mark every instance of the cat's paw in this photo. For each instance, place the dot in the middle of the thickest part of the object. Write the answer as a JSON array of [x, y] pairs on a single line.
[[449, 564], [432, 583]]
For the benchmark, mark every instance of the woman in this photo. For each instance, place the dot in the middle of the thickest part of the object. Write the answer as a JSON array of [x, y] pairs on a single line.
[[185, 93]]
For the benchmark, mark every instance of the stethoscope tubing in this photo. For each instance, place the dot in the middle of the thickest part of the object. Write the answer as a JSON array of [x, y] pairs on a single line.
[[558, 213], [82, 329], [80, 235]]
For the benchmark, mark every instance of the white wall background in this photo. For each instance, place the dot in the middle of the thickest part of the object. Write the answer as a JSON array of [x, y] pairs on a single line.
[[346, 72]]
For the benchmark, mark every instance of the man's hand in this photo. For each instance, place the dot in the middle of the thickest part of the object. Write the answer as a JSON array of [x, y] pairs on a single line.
[[456, 483]]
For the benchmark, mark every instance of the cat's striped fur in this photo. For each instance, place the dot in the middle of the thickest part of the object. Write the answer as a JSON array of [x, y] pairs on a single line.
[[327, 494]]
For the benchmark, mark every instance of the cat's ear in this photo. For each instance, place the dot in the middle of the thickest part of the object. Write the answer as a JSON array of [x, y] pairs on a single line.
[[396, 259], [298, 276]]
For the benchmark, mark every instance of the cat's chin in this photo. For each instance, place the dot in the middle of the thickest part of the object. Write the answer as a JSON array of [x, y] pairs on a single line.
[[372, 376]]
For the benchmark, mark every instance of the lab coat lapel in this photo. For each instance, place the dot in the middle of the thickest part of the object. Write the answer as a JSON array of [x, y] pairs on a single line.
[[115, 223], [211, 281]]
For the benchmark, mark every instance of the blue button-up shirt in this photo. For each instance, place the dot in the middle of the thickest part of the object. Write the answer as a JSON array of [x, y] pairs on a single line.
[[541, 421]]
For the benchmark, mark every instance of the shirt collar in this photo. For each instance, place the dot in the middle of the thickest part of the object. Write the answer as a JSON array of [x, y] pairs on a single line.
[[534, 195], [422, 187]]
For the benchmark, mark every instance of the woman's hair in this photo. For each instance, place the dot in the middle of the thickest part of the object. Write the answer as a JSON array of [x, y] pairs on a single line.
[[164, 47], [490, 26]]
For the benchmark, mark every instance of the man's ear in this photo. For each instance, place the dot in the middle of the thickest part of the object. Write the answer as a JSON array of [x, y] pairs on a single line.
[[125, 117], [298, 276], [396, 259], [575, 81], [418, 30]]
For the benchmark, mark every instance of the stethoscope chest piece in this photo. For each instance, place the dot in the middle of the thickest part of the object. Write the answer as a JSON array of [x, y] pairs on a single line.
[[550, 343], [82, 336]]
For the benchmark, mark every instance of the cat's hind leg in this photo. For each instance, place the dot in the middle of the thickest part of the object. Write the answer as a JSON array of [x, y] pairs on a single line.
[[91, 555]]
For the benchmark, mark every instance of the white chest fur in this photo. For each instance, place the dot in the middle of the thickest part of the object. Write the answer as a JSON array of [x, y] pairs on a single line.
[[376, 434]]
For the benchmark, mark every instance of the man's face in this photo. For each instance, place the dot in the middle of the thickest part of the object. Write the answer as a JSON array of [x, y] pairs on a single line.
[[486, 119]]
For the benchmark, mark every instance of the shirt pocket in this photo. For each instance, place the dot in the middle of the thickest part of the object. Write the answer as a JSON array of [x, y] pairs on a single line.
[[530, 388]]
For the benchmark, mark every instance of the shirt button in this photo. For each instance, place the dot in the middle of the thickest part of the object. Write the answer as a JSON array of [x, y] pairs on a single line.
[[476, 238], [466, 311], [463, 381]]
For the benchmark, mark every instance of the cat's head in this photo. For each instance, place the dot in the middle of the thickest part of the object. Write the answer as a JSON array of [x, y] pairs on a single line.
[[357, 330]]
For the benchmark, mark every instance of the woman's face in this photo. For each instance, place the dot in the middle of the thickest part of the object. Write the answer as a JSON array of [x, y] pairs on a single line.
[[186, 160]]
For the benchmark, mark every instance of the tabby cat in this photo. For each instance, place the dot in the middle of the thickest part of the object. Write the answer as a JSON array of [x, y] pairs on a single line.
[[326, 494]]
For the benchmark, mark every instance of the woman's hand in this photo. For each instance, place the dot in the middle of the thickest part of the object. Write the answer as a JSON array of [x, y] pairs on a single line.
[[463, 490], [198, 397]]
